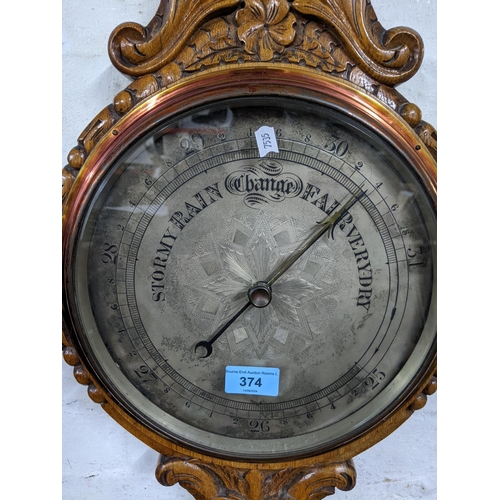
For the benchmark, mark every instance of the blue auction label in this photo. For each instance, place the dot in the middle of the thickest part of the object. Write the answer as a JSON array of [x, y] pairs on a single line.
[[253, 380]]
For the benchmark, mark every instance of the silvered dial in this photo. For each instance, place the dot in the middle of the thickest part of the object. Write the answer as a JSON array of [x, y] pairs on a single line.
[[258, 232]]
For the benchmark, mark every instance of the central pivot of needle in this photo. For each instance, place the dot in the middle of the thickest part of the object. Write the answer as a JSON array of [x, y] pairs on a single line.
[[260, 294]]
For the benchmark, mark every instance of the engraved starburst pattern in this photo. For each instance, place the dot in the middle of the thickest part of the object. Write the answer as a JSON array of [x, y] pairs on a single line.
[[252, 247]]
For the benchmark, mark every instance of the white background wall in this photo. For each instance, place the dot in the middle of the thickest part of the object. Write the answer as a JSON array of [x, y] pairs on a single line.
[[100, 461]]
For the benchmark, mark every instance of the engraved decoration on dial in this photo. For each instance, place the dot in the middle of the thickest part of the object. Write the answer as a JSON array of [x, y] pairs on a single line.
[[303, 300]]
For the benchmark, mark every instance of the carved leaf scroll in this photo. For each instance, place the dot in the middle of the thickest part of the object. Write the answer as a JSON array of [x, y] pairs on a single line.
[[391, 57], [136, 50], [209, 481], [210, 46]]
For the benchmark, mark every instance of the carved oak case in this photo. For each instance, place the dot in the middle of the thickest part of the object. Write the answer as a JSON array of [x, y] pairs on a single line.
[[200, 50]]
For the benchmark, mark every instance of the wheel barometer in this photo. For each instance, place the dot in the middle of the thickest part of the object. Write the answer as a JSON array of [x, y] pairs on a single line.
[[249, 244]]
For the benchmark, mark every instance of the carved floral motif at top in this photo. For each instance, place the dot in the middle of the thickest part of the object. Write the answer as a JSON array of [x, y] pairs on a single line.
[[265, 27]]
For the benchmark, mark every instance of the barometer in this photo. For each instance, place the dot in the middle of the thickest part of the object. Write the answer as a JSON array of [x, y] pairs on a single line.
[[250, 260]]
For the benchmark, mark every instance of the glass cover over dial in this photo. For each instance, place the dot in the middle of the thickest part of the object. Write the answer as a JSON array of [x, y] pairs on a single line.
[[256, 278]]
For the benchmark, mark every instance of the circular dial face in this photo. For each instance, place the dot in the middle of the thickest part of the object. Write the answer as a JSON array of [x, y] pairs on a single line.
[[256, 278]]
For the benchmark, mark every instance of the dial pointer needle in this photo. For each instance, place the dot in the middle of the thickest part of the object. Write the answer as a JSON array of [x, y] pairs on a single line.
[[207, 344], [328, 224]]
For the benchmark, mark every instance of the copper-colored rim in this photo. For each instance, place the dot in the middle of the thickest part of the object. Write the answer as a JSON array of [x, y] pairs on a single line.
[[235, 81]]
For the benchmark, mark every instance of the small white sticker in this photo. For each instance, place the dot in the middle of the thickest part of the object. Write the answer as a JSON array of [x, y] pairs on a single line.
[[266, 140], [252, 380]]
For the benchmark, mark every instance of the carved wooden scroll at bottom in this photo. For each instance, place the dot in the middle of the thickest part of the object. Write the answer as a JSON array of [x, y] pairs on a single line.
[[207, 481]]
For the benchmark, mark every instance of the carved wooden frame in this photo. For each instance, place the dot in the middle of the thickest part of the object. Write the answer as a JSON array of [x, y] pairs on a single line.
[[330, 42]]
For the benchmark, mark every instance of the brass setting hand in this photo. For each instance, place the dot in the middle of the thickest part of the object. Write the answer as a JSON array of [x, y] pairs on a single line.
[[328, 225]]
